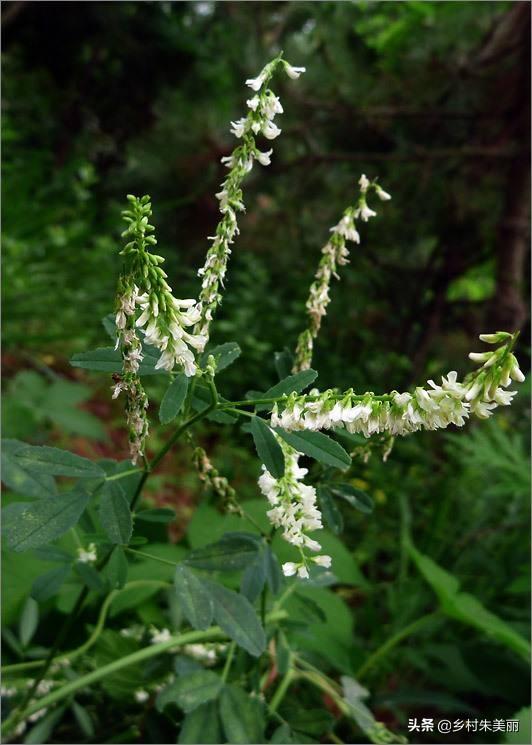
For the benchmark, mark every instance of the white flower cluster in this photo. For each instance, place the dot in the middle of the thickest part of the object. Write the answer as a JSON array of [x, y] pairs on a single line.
[[431, 408], [208, 654], [294, 510], [157, 636], [129, 382], [263, 107], [335, 254], [163, 319], [88, 555]]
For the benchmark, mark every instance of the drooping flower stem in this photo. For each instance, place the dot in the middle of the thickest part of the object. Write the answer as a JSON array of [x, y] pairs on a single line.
[[435, 407], [334, 255]]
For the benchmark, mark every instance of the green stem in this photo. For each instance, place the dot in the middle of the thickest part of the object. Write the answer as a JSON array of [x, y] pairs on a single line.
[[281, 690], [239, 412], [123, 474], [268, 401], [75, 653], [228, 661], [179, 431], [318, 680], [286, 594], [150, 556], [300, 661], [65, 630], [146, 653], [390, 643]]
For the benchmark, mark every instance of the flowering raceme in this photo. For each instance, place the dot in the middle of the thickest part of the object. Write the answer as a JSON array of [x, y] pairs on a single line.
[[435, 407], [335, 254], [263, 108], [294, 510], [164, 319]]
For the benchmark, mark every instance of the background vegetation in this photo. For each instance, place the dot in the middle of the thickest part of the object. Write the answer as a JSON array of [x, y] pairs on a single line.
[[102, 99]]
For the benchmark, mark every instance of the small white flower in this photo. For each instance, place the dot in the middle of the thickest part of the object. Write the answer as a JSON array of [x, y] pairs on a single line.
[[257, 83], [289, 568], [303, 572], [383, 195], [322, 561], [87, 556], [500, 336], [270, 130], [364, 212], [515, 372], [37, 715], [253, 103], [238, 128], [141, 695], [263, 158], [20, 729], [163, 635], [271, 106], [293, 72], [44, 687], [480, 356], [364, 183]]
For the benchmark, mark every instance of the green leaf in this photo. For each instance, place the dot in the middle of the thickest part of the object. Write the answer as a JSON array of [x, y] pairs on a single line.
[[283, 655], [224, 354], [293, 383], [78, 422], [237, 617], [272, 570], [116, 569], [242, 716], [90, 576], [201, 725], [318, 446], [193, 598], [311, 609], [12, 642], [44, 728], [115, 513], [355, 497], [174, 398], [253, 578], [190, 691], [284, 361], [108, 359], [331, 513], [37, 523], [48, 584], [28, 622], [53, 553], [20, 477], [268, 449], [311, 722], [156, 515], [83, 719], [232, 552], [109, 324], [465, 607], [56, 462], [282, 735]]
